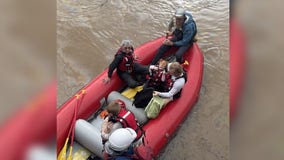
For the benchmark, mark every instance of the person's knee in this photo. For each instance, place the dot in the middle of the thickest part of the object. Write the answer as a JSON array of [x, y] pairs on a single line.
[[166, 101], [132, 84]]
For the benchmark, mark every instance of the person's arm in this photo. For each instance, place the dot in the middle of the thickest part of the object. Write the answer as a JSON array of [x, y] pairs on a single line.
[[114, 64], [106, 128], [188, 34], [177, 86]]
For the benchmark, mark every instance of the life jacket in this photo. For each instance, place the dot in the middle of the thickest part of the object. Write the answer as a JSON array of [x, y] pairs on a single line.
[[127, 119], [170, 82], [156, 77], [127, 62]]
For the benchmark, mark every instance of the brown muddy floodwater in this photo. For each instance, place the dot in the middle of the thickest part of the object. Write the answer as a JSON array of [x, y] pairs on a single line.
[[89, 33]]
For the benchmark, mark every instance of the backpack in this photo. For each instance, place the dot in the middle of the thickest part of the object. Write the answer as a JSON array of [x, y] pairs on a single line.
[[154, 107], [142, 98]]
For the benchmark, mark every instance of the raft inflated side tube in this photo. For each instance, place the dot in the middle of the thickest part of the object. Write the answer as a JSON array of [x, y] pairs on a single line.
[[139, 113], [89, 136]]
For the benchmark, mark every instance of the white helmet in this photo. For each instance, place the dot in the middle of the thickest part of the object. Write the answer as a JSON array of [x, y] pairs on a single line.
[[121, 139], [180, 12]]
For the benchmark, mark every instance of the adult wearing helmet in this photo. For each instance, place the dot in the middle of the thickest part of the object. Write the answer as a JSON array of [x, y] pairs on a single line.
[[183, 36], [119, 145], [124, 62]]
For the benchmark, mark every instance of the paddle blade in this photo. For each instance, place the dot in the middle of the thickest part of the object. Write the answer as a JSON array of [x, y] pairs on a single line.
[[171, 24], [62, 154], [70, 153]]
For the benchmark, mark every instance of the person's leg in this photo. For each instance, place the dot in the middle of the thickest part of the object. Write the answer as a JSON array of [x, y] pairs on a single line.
[[140, 72], [161, 51], [164, 48], [126, 77], [146, 84], [180, 52], [139, 68]]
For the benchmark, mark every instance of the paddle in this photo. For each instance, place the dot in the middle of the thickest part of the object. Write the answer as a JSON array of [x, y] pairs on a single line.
[[62, 154], [74, 122], [170, 26]]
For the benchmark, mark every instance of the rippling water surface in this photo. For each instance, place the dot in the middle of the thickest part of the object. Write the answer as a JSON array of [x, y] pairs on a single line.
[[89, 33]]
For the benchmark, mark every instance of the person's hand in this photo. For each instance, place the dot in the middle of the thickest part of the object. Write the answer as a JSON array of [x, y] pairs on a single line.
[[109, 127], [106, 80], [135, 57], [168, 42], [155, 93], [168, 33], [153, 67]]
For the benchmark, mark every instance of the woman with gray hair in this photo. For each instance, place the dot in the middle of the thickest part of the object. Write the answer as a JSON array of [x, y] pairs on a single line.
[[125, 65]]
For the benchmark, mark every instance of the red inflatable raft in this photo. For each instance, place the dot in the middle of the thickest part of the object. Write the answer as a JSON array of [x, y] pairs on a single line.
[[159, 130]]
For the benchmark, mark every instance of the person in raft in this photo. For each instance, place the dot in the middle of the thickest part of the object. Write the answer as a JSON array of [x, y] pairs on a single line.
[[174, 84], [127, 69], [117, 112], [158, 75], [182, 36], [120, 145]]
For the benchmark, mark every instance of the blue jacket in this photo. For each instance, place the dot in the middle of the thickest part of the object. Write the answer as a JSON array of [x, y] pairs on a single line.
[[189, 31]]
